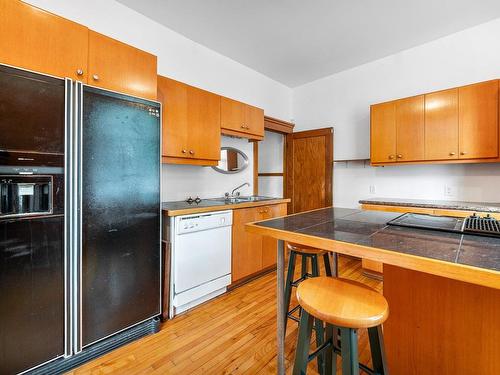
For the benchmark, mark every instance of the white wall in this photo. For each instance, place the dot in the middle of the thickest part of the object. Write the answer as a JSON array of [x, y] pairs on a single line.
[[271, 161], [186, 61], [343, 99]]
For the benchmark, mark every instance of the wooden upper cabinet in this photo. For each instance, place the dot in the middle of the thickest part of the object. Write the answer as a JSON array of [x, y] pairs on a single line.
[[37, 40], [410, 129], [241, 119], [117, 66], [441, 125], [191, 123], [383, 133], [478, 120]]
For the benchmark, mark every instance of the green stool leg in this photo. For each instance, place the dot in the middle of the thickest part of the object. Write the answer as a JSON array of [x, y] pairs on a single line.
[[377, 349], [349, 351], [331, 356], [288, 284], [328, 269], [302, 351], [318, 324], [304, 266]]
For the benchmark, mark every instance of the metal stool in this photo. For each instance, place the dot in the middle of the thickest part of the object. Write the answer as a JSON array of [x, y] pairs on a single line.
[[348, 306], [306, 253]]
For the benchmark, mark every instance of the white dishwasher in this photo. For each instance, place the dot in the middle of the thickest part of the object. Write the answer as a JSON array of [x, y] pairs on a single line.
[[201, 258]]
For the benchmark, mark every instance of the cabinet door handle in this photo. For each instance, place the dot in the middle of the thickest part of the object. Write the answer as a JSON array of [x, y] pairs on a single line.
[[79, 72], [391, 157], [400, 156], [95, 77], [184, 151], [452, 154], [463, 153], [191, 152]]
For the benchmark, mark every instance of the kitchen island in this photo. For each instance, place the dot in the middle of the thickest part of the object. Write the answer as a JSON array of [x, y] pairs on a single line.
[[443, 288]]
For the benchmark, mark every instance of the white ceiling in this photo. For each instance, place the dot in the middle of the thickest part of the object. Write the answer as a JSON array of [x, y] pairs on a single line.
[[298, 41]]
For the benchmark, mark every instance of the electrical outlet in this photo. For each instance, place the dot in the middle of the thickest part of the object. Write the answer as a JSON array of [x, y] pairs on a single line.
[[450, 191], [373, 190]]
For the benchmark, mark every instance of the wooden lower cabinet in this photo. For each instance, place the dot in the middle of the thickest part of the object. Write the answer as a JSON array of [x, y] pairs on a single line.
[[253, 253]]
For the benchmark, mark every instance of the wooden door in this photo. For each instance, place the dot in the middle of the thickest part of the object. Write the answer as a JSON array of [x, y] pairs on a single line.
[[309, 165], [410, 129], [478, 120], [37, 40], [203, 124], [269, 244], [247, 247], [383, 133], [254, 120], [117, 66], [173, 96], [233, 114], [441, 125]]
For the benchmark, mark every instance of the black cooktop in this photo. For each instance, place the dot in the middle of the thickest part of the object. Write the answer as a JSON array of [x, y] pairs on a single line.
[[485, 226]]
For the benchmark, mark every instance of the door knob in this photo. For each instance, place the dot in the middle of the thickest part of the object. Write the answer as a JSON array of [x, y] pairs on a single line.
[[95, 77], [79, 72]]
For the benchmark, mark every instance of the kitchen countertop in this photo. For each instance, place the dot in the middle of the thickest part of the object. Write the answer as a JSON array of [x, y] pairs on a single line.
[[364, 234], [208, 205], [438, 204]]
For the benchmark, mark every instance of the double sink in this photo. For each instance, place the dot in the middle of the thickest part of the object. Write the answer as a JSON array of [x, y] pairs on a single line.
[[242, 199]]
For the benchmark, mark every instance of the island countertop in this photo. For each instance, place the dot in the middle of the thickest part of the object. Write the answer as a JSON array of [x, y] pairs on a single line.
[[364, 234], [493, 207]]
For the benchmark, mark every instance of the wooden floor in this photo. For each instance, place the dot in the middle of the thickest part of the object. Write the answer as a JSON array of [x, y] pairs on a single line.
[[232, 334]]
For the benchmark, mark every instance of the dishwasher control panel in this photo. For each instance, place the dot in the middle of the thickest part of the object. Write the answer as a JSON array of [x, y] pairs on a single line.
[[199, 222]]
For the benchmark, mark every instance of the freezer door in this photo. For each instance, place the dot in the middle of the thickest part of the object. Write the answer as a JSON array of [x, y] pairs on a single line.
[[31, 292], [120, 213]]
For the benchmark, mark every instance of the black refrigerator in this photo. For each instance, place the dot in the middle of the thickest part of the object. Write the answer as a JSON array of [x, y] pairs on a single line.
[[80, 252]]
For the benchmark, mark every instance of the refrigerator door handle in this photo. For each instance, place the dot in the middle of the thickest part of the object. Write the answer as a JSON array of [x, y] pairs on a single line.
[[76, 251]]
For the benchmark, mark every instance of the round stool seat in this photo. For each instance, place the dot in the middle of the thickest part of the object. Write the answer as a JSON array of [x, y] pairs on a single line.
[[305, 249], [342, 303]]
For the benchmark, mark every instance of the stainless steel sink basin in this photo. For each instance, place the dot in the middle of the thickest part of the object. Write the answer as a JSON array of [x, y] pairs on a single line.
[[242, 199]]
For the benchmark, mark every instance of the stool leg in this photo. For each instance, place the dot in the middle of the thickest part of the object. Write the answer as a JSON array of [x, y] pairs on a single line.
[[378, 351], [331, 356], [326, 260], [335, 258], [318, 324], [349, 351], [288, 283], [304, 266], [303, 341]]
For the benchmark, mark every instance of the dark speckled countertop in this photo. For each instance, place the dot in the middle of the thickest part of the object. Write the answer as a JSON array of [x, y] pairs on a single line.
[[368, 228], [437, 204]]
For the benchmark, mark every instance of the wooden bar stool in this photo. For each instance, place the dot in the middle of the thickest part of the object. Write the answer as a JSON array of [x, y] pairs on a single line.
[[306, 252], [345, 305]]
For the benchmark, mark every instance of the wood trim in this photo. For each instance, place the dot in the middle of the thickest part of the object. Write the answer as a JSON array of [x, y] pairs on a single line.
[[454, 161], [253, 276], [222, 206], [241, 134], [278, 126], [277, 174], [256, 168], [425, 210], [461, 272], [202, 162]]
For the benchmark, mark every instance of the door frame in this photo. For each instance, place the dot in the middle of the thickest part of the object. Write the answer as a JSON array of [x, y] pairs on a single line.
[[288, 162]]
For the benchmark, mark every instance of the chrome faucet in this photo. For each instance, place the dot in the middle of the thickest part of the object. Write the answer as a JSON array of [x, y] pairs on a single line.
[[236, 188]]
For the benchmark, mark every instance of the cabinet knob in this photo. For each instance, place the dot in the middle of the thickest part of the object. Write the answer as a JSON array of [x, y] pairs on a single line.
[[391, 157], [400, 156], [452, 154], [191, 152], [244, 126], [463, 153], [95, 77], [184, 151], [79, 72]]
